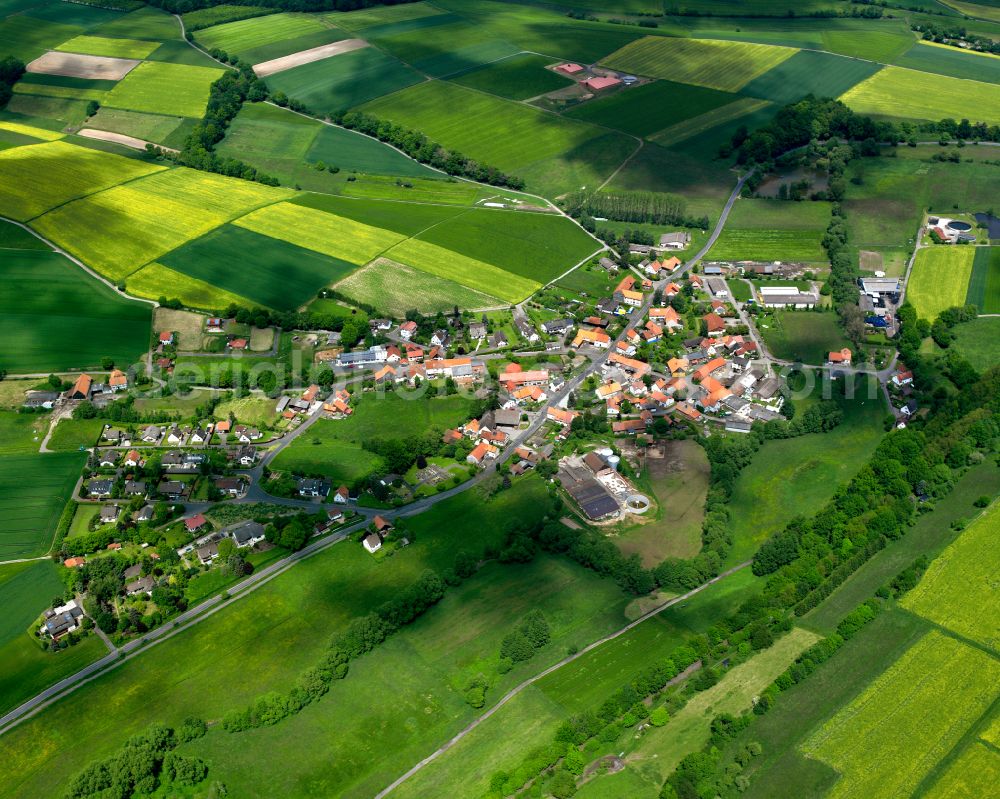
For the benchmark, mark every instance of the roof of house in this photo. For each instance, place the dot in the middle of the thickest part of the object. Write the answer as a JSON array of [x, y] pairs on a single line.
[[479, 452], [714, 322], [117, 378], [597, 84], [381, 523], [82, 384], [841, 356]]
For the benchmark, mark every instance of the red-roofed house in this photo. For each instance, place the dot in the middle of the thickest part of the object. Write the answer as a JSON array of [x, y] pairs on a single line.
[[238, 344], [716, 326], [118, 380], [559, 416], [194, 523], [842, 357], [570, 69], [407, 329], [903, 376], [167, 337], [81, 388]]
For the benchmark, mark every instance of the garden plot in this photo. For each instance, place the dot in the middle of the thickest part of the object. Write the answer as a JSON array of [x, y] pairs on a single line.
[[276, 65], [78, 65]]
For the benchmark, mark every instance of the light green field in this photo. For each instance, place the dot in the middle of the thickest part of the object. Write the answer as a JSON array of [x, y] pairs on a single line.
[[940, 279], [889, 738], [66, 92], [899, 92], [159, 88], [155, 280], [772, 230], [976, 772], [462, 269], [119, 230], [498, 132], [248, 34], [394, 289], [959, 590], [315, 230], [38, 177], [30, 130], [115, 48], [728, 66], [148, 127], [979, 341]]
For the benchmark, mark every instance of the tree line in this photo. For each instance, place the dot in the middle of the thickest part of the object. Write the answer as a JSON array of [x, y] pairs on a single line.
[[651, 207], [11, 70]]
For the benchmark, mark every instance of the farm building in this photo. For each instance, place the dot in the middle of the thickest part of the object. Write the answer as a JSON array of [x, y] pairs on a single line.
[[786, 297], [599, 84], [570, 69]]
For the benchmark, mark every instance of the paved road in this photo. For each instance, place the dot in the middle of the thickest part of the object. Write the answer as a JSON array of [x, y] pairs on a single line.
[[555, 667]]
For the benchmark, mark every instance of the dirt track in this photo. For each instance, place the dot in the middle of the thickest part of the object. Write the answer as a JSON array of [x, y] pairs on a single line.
[[276, 65]]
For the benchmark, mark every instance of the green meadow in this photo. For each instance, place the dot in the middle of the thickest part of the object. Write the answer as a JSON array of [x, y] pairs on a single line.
[[33, 490], [518, 77], [940, 279], [162, 88], [804, 336], [247, 38], [774, 230], [984, 284]]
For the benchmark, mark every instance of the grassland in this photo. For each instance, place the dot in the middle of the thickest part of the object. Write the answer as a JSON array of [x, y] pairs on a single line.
[[407, 219], [945, 60], [889, 738], [27, 38], [519, 77], [161, 88], [810, 72], [39, 134], [115, 48], [796, 476], [394, 289], [148, 127], [940, 279], [657, 753], [958, 590], [117, 231], [33, 490], [908, 93], [337, 236], [462, 269], [386, 15], [269, 271], [979, 342], [484, 127], [155, 280], [679, 482], [146, 23], [55, 316], [651, 107], [804, 336], [773, 230], [26, 589], [984, 283], [341, 82], [243, 37], [727, 66], [39, 177]]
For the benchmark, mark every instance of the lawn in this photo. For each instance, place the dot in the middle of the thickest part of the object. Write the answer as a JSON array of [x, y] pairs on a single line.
[[984, 284], [162, 88], [797, 476], [38, 177], [889, 739], [646, 109], [679, 482], [115, 48], [335, 84], [940, 279], [727, 66], [958, 592], [336, 236], [810, 72], [117, 231], [774, 230], [907, 93], [945, 60], [55, 316], [155, 281], [804, 336], [262, 637], [979, 341], [518, 77], [394, 289], [269, 272], [498, 132], [71, 434], [33, 490], [660, 749]]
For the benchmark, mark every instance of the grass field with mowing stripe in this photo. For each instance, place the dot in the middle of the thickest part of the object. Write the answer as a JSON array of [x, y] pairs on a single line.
[[984, 285], [269, 271], [516, 78], [899, 92], [940, 279], [115, 48], [889, 738], [645, 109], [394, 289], [480, 126], [463, 269], [39, 177], [33, 490], [727, 66], [119, 230], [155, 281], [315, 230], [809, 72], [161, 88], [335, 84], [55, 316], [958, 591]]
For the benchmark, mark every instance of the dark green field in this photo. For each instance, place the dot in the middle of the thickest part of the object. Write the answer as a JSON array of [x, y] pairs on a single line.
[[336, 84], [406, 218], [809, 72], [984, 286], [804, 336], [646, 109], [269, 271], [979, 341], [33, 490], [55, 316], [951, 61], [516, 78]]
